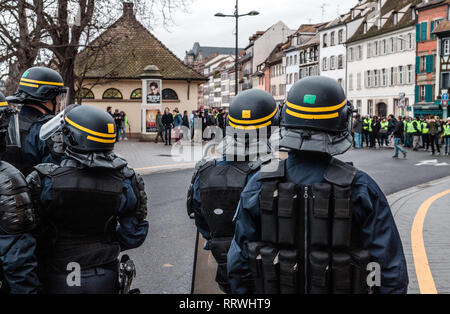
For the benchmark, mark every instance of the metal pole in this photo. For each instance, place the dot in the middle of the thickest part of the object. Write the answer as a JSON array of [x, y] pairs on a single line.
[[236, 76]]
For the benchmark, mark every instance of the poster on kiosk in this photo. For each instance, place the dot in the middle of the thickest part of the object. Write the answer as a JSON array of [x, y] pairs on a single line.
[[151, 104]]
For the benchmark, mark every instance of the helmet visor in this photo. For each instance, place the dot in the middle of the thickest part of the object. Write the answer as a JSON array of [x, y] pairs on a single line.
[[55, 124], [62, 100], [13, 137], [52, 126]]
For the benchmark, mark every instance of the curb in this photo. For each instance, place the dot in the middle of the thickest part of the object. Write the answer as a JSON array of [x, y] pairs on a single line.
[[393, 198]]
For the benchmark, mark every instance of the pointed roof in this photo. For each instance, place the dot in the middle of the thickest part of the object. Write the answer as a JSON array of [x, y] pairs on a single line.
[[126, 48]]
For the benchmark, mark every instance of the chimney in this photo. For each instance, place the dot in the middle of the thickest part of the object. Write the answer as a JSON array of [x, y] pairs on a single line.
[[413, 12], [128, 10], [395, 17]]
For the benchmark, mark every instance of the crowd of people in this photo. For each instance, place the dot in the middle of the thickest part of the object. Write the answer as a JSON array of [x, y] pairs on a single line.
[[428, 133], [121, 119], [173, 121]]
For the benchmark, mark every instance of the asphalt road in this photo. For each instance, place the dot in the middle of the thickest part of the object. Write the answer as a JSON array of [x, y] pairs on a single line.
[[164, 262]]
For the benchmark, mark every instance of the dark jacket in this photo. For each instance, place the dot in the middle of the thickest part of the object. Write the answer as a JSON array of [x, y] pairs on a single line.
[[398, 130], [358, 126], [167, 120], [379, 233]]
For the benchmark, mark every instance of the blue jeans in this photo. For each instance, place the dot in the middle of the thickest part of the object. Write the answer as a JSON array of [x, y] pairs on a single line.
[[447, 144], [397, 147], [358, 140]]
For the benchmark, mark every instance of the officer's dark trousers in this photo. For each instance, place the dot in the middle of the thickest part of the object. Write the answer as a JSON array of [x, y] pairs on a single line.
[[93, 281], [434, 139], [365, 138]]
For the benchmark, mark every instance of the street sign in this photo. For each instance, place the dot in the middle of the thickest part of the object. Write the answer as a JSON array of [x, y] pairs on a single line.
[[445, 96], [401, 95], [444, 103]]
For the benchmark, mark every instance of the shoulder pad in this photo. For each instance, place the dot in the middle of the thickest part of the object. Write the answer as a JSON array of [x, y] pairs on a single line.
[[128, 172], [275, 169], [255, 165], [46, 169], [45, 118], [204, 164], [340, 173]]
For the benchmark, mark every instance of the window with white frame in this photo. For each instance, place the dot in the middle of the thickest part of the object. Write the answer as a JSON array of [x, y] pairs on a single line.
[[383, 47], [360, 52], [369, 78], [391, 45], [400, 75], [401, 43], [383, 77], [324, 64], [350, 54], [332, 63], [340, 61], [325, 40], [369, 50], [358, 81], [350, 82], [332, 39], [375, 48], [446, 47], [410, 74], [375, 78], [370, 107], [341, 36]]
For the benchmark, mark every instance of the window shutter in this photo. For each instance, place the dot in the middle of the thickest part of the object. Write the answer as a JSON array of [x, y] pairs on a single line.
[[405, 75], [431, 29], [395, 76], [429, 93], [417, 65], [416, 94], [423, 31], [429, 64], [369, 50], [417, 32]]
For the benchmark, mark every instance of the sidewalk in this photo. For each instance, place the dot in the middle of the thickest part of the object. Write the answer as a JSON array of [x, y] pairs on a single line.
[[148, 157], [422, 214]]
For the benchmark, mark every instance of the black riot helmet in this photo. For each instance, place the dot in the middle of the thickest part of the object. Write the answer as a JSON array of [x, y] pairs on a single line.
[[89, 129], [39, 85], [253, 109], [317, 117]]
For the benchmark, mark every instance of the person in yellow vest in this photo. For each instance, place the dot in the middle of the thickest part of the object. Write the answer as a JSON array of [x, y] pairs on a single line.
[[409, 132], [416, 129], [447, 137], [367, 123], [425, 134], [384, 132]]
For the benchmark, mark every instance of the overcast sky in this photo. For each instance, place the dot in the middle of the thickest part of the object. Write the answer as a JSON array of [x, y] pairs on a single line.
[[201, 25]]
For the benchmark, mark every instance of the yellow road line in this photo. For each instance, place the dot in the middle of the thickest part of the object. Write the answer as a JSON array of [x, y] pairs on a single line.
[[166, 166], [423, 271]]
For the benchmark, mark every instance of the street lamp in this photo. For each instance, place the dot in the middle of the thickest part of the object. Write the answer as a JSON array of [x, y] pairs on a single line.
[[237, 16]]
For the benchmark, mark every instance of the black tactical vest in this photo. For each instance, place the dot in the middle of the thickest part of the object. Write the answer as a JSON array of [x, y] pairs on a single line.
[[15, 155], [83, 214], [220, 191], [309, 242]]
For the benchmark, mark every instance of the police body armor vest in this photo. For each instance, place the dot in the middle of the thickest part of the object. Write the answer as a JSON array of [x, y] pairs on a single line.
[[83, 214], [220, 190], [15, 155], [309, 243]]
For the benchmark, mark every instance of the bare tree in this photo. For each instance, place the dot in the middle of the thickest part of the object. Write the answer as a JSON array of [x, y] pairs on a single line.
[[28, 26]]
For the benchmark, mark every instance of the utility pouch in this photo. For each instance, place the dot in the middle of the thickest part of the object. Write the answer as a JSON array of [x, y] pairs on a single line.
[[288, 260], [269, 256], [341, 273], [268, 204], [319, 215], [255, 262], [342, 220], [360, 260], [319, 263], [287, 213]]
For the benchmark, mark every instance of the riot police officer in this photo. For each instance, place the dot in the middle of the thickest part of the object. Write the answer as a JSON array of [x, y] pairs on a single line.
[[91, 207], [218, 182], [18, 264], [42, 93], [316, 223]]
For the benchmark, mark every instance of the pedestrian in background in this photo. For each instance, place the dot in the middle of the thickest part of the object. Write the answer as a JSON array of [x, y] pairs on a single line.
[[417, 126], [357, 131], [109, 110], [123, 126], [366, 126], [159, 127], [425, 134], [383, 133], [118, 120], [221, 121], [374, 132], [177, 123], [186, 123], [398, 135], [447, 137], [435, 129], [167, 121]]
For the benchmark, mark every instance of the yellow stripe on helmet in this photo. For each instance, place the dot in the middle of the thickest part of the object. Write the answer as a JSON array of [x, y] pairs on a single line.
[[42, 82], [82, 128], [254, 121], [29, 85], [100, 140], [250, 127], [316, 109], [3, 104], [313, 116]]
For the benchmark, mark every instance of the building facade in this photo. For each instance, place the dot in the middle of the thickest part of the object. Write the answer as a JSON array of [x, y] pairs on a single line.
[[381, 60]]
